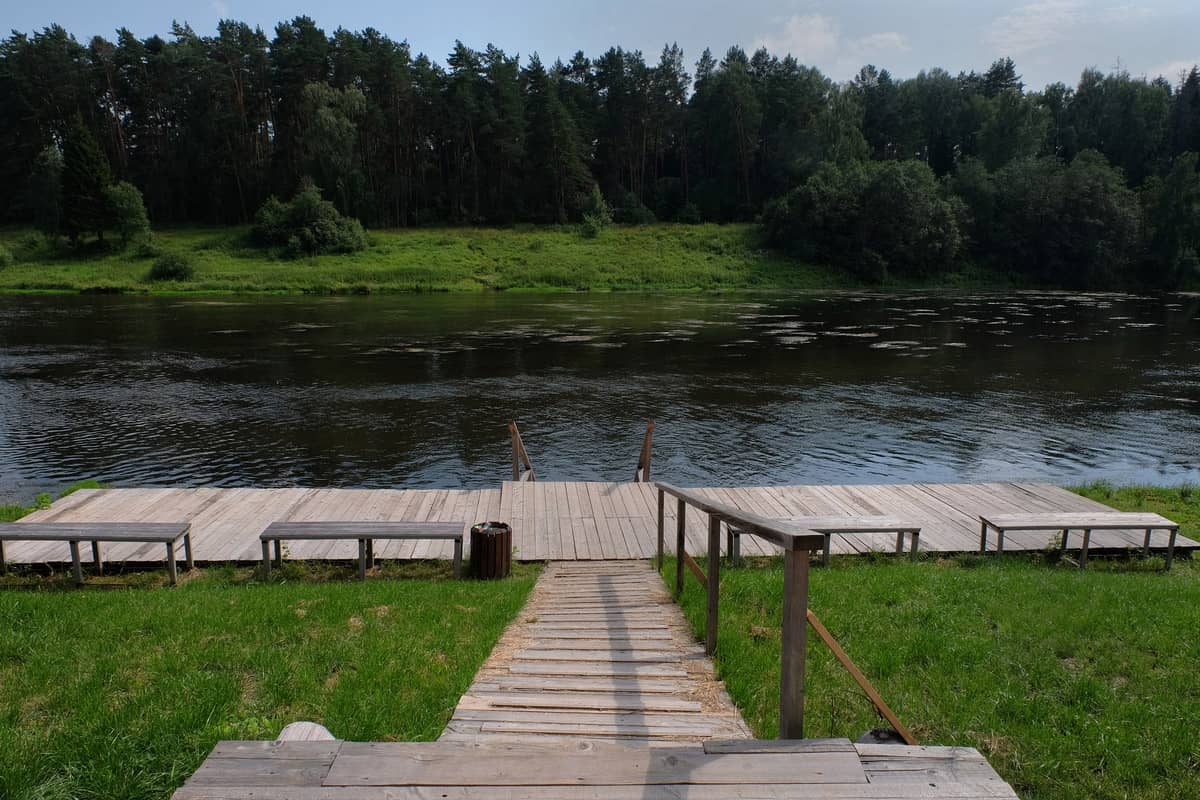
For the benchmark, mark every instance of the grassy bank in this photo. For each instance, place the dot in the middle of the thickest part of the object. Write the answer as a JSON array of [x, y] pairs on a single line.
[[1072, 684], [121, 694], [656, 257]]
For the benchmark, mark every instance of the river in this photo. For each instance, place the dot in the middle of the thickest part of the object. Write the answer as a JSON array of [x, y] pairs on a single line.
[[415, 391]]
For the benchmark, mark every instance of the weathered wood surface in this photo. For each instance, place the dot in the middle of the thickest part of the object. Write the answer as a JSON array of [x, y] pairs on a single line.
[[137, 532], [574, 769], [352, 529], [624, 680], [1107, 520], [563, 521]]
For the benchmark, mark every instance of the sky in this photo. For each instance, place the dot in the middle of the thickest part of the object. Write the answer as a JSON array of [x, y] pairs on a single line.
[[1050, 40]]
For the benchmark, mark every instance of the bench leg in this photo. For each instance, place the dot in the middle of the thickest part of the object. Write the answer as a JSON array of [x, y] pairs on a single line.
[[266, 545], [1066, 537], [279, 553], [458, 547], [737, 549], [1087, 539], [729, 543], [362, 559], [3, 563], [982, 538], [187, 551], [914, 535], [96, 562], [370, 553], [825, 552], [172, 567], [75, 563], [1146, 545], [999, 541], [1171, 548]]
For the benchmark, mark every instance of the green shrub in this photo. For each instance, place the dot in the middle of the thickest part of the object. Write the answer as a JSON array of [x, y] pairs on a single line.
[[596, 215], [307, 225], [634, 212], [147, 248], [172, 267], [690, 215], [128, 212]]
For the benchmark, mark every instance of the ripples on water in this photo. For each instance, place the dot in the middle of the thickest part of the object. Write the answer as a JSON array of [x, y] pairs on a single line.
[[415, 391]]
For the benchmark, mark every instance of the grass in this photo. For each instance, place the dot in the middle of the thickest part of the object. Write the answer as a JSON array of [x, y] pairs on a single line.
[[13, 512], [655, 257], [122, 693]]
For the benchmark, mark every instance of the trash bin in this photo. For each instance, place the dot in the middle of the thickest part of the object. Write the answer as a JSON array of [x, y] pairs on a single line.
[[491, 550]]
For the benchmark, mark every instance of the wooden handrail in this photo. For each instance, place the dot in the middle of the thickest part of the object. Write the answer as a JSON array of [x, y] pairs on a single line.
[[520, 458], [641, 474], [796, 543]]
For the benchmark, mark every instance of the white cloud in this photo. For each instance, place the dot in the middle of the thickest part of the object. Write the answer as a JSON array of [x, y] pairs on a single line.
[[220, 8], [1173, 70], [817, 39], [1034, 26]]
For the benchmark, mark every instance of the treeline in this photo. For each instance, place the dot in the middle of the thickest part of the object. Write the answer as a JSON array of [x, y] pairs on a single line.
[[1083, 184]]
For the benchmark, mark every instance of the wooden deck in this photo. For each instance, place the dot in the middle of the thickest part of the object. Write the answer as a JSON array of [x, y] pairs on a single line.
[[596, 692], [558, 520]]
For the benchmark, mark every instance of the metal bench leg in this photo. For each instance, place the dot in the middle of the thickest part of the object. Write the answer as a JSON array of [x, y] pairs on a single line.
[[1087, 539], [1171, 548], [172, 567], [982, 538], [187, 551], [458, 547], [362, 559], [266, 545], [914, 535], [75, 563], [825, 552], [96, 562], [1146, 545]]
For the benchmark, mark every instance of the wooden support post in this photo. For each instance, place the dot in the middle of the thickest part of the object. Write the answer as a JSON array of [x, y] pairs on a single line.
[[1171, 548], [646, 454], [3, 563], [458, 557], [96, 561], [661, 523], [266, 559], [1083, 554], [1146, 545], [172, 567], [187, 549], [680, 545], [516, 450], [982, 537], [795, 636], [75, 563], [825, 551], [714, 584], [279, 553], [999, 541], [899, 542], [729, 543], [362, 559], [915, 535], [1066, 538], [370, 554]]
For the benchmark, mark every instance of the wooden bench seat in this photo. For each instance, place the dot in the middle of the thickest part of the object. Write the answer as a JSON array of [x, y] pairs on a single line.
[[365, 533], [1086, 521], [73, 533], [830, 525]]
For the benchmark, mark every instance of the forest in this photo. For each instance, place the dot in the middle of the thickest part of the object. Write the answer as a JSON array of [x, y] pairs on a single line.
[[1094, 184]]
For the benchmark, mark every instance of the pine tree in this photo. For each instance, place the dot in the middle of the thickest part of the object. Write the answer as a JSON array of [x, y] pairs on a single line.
[[85, 179]]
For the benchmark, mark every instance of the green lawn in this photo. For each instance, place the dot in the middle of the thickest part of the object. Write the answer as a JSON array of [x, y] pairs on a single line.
[[1073, 684], [655, 257], [111, 692]]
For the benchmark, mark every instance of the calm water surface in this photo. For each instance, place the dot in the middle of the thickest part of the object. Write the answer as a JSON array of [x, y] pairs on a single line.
[[415, 390]]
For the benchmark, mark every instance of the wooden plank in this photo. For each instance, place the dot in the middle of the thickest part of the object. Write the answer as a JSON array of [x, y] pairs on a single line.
[[424, 765], [1112, 520], [591, 701]]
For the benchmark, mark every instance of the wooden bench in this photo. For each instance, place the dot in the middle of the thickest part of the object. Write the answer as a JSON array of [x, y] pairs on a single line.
[[73, 533], [830, 525], [1086, 521], [365, 532]]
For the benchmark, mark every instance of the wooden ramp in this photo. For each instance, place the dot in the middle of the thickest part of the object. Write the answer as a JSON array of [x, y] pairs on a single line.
[[596, 692], [555, 521], [600, 650]]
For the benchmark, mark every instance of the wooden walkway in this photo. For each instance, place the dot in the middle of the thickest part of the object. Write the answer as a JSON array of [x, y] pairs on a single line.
[[557, 520], [600, 650], [596, 692]]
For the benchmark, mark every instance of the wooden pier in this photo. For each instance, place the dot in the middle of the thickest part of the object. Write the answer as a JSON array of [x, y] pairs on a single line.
[[559, 520]]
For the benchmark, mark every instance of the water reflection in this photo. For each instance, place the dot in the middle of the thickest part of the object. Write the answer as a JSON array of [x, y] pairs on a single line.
[[414, 391]]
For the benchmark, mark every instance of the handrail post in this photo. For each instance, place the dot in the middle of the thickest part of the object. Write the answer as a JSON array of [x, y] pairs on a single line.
[[714, 583], [661, 522], [680, 544], [795, 636], [647, 452], [516, 448]]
